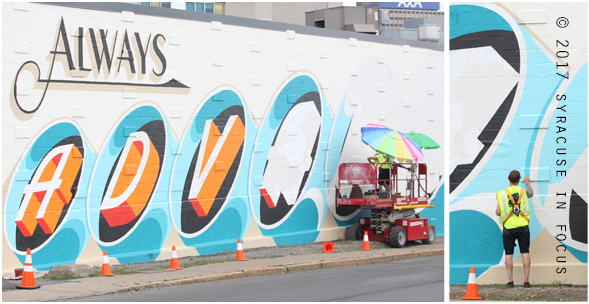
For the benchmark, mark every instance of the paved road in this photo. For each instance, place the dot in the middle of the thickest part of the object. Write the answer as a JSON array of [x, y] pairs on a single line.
[[420, 279]]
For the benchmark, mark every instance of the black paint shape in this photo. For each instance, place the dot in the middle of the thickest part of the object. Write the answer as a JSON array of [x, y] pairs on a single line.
[[39, 237], [155, 130], [504, 42], [487, 137], [506, 45], [190, 221], [269, 216], [313, 153], [172, 83], [578, 218]]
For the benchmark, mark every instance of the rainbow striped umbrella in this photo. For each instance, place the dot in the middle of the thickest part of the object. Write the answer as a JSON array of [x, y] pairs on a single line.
[[394, 143]]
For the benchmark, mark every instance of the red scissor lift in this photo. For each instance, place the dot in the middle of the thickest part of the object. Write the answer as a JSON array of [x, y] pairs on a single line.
[[392, 217]]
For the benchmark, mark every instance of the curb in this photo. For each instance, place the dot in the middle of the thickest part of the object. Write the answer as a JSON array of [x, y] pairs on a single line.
[[264, 271], [303, 267], [375, 259], [338, 263], [287, 269]]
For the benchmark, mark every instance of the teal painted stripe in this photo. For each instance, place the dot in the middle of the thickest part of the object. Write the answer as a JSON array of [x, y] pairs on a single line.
[[579, 254], [467, 19]]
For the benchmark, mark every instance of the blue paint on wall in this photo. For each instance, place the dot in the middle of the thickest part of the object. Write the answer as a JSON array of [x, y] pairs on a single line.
[[466, 19], [57, 254], [223, 235], [299, 228], [435, 215], [580, 255], [146, 241], [476, 241]]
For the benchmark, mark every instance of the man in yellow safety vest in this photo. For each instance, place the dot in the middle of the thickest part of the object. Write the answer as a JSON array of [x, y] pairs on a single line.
[[514, 214], [384, 172]]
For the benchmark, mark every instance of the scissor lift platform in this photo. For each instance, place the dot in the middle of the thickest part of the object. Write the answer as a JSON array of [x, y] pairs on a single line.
[[392, 215]]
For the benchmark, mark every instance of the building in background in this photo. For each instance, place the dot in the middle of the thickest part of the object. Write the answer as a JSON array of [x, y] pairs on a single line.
[[412, 20], [354, 19], [394, 14], [406, 20], [204, 7], [285, 12], [394, 19]]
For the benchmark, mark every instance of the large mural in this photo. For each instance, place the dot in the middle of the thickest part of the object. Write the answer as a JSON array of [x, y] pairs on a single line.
[[123, 142], [518, 100]]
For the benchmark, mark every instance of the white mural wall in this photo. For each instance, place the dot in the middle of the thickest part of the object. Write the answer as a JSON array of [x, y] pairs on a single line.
[[132, 132], [518, 101]]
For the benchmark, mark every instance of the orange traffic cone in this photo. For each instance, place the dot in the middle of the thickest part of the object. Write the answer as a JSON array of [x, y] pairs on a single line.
[[365, 243], [328, 247], [106, 266], [28, 277], [472, 292], [240, 256], [174, 263]]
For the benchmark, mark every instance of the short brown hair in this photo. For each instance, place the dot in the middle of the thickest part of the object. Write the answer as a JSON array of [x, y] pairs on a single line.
[[514, 177]]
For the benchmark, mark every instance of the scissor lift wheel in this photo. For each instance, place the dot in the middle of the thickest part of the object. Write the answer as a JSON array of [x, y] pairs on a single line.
[[397, 237], [354, 233], [431, 235]]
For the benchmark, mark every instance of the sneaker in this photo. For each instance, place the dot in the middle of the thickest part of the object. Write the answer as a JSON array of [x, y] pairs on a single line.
[[527, 285], [510, 285]]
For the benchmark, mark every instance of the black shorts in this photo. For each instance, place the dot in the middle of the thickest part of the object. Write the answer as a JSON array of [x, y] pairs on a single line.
[[521, 234], [384, 174]]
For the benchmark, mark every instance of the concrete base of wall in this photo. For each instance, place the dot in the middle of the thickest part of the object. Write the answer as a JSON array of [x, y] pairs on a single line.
[[9, 260], [332, 234], [576, 274], [254, 238], [330, 231], [255, 242], [181, 251], [95, 261]]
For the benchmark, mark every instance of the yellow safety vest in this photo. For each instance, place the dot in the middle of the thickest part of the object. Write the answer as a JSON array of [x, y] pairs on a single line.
[[508, 218], [381, 159]]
